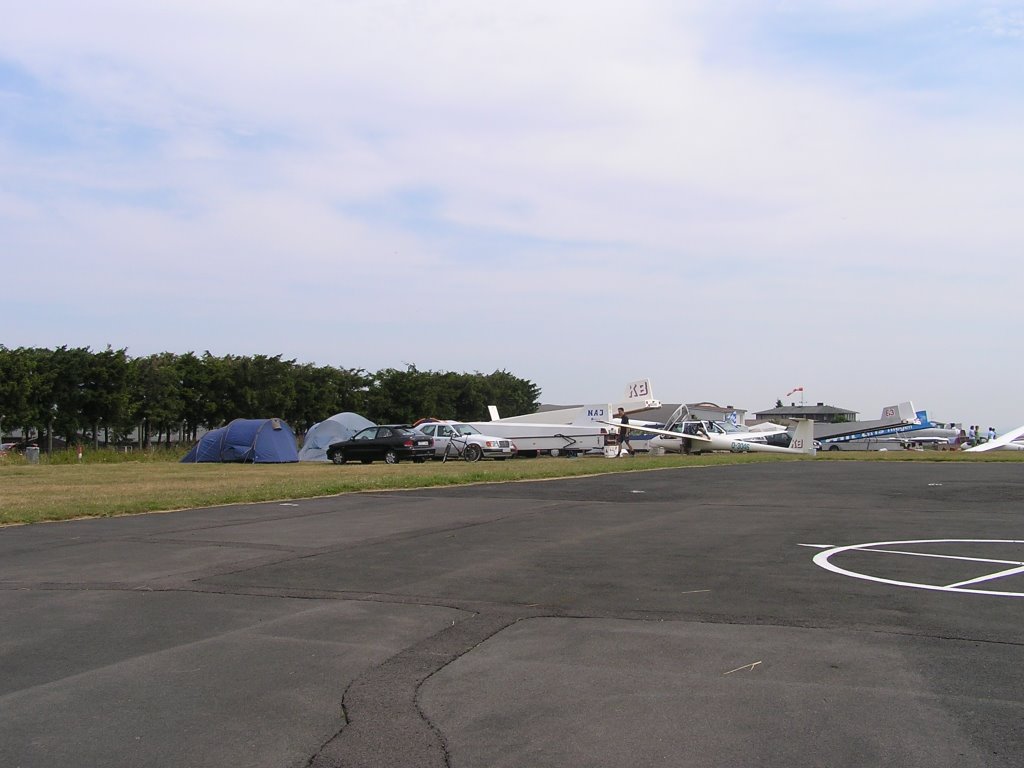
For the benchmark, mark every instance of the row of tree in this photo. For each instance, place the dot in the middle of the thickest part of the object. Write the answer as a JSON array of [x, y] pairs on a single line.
[[107, 396]]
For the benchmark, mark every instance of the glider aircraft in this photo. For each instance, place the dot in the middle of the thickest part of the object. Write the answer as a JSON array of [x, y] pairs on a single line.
[[711, 436]]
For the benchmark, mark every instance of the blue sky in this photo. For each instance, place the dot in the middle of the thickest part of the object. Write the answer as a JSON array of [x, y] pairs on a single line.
[[731, 198]]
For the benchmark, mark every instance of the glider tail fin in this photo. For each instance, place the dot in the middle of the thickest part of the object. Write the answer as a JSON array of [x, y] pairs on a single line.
[[803, 437]]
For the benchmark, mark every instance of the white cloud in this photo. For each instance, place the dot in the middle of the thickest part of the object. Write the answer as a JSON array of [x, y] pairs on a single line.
[[529, 155]]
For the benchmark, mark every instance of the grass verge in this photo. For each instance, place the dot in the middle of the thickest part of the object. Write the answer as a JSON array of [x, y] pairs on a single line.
[[32, 493]]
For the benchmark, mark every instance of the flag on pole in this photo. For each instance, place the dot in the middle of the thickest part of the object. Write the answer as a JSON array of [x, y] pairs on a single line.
[[794, 389]]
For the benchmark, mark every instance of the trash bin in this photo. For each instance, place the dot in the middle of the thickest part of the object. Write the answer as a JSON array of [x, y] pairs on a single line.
[[32, 454]]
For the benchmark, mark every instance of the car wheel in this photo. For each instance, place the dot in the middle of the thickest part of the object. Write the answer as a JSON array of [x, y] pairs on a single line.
[[338, 458], [473, 452], [390, 457], [554, 452]]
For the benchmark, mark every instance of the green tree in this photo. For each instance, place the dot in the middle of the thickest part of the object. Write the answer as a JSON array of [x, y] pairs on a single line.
[[322, 391], [155, 383], [509, 393], [274, 383], [221, 406], [17, 385], [404, 396], [61, 395], [256, 387], [195, 375], [104, 396], [76, 390], [396, 396]]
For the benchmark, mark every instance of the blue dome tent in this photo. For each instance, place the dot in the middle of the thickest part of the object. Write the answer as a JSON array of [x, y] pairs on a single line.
[[256, 441]]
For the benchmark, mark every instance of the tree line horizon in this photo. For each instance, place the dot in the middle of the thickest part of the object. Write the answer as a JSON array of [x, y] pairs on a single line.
[[81, 395]]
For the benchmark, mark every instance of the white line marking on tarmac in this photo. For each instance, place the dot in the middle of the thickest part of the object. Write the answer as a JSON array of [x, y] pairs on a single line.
[[944, 557], [822, 559], [745, 666], [817, 546], [989, 577]]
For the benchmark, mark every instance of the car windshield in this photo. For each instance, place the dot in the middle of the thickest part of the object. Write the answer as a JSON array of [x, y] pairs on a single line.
[[465, 429]]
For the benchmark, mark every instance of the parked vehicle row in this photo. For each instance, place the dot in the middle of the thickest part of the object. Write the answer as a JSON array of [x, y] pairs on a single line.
[[455, 439], [389, 443], [430, 439]]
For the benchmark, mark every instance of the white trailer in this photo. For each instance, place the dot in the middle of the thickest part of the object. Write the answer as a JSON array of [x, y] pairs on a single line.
[[537, 439], [567, 431]]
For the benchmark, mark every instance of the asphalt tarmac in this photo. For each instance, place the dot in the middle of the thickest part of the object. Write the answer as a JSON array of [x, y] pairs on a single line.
[[779, 615]]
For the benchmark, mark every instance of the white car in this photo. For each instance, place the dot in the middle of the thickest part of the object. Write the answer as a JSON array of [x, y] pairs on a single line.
[[462, 441]]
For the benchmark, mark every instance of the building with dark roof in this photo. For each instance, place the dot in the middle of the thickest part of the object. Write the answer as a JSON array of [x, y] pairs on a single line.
[[821, 413]]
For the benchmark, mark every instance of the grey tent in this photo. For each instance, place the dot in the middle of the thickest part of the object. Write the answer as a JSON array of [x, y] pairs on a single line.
[[340, 426]]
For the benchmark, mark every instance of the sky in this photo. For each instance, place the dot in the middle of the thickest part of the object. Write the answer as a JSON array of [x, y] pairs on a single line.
[[731, 198]]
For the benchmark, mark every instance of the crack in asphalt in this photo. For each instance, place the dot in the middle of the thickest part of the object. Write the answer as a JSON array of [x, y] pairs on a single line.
[[382, 722], [384, 725]]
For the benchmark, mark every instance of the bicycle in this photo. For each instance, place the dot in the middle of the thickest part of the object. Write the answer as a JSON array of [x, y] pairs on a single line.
[[467, 451]]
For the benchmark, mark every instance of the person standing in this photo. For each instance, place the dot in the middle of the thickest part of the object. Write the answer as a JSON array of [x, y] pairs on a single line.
[[623, 418], [991, 433]]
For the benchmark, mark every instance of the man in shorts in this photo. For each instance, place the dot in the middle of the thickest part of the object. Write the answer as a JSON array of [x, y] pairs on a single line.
[[623, 432]]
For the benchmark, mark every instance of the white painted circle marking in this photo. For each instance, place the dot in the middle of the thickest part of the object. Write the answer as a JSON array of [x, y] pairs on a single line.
[[823, 560]]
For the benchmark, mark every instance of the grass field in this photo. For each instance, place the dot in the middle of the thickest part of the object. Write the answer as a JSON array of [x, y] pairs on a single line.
[[59, 490]]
